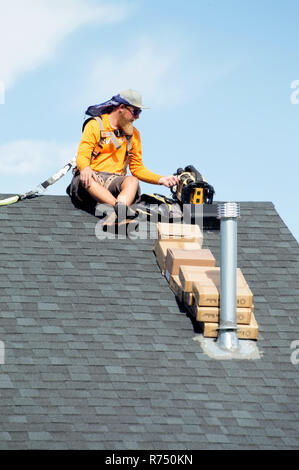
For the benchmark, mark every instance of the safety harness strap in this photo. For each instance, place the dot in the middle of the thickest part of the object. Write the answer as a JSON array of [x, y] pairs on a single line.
[[115, 142], [109, 180], [107, 134], [129, 148]]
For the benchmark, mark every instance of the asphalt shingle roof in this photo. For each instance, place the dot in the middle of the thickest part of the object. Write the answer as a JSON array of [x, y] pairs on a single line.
[[99, 354]]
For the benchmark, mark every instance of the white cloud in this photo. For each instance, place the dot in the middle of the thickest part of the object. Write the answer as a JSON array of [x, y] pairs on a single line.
[[26, 157], [31, 30], [163, 69], [151, 67]]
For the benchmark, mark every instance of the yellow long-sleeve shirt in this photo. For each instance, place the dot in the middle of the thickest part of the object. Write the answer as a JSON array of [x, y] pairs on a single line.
[[111, 159]]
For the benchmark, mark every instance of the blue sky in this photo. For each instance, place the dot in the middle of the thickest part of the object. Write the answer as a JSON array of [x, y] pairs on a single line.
[[216, 74]]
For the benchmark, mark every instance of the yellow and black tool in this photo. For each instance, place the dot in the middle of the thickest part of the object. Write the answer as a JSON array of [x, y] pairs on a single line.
[[192, 188]]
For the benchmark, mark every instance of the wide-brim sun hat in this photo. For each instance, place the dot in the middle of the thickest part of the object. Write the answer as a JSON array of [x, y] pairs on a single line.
[[133, 97], [126, 97]]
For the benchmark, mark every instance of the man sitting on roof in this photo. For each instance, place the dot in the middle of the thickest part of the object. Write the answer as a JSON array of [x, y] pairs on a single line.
[[109, 143]]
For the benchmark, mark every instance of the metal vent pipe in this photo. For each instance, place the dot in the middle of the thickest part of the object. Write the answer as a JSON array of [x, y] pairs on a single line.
[[228, 214]]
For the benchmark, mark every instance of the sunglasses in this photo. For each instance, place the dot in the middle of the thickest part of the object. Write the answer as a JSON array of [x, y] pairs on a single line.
[[135, 111]]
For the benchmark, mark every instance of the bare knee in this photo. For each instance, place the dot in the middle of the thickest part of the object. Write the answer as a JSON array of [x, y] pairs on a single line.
[[132, 181], [100, 193]]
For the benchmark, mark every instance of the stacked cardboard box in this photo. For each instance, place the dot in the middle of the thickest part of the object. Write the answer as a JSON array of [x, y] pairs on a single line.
[[249, 331], [204, 283], [201, 294], [176, 287], [195, 280], [183, 236], [177, 257], [162, 246], [177, 232]]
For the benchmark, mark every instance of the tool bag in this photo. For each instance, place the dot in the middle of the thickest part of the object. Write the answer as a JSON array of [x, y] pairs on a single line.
[[158, 207]]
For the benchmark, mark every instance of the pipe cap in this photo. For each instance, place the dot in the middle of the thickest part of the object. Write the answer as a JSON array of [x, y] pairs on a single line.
[[227, 210]]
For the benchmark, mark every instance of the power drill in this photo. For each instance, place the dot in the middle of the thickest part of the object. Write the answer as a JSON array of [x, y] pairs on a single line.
[[192, 188]]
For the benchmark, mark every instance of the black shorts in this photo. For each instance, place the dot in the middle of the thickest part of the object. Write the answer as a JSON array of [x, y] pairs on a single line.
[[81, 197]]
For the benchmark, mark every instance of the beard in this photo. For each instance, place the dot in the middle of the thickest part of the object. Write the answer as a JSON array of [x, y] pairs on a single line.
[[125, 125]]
